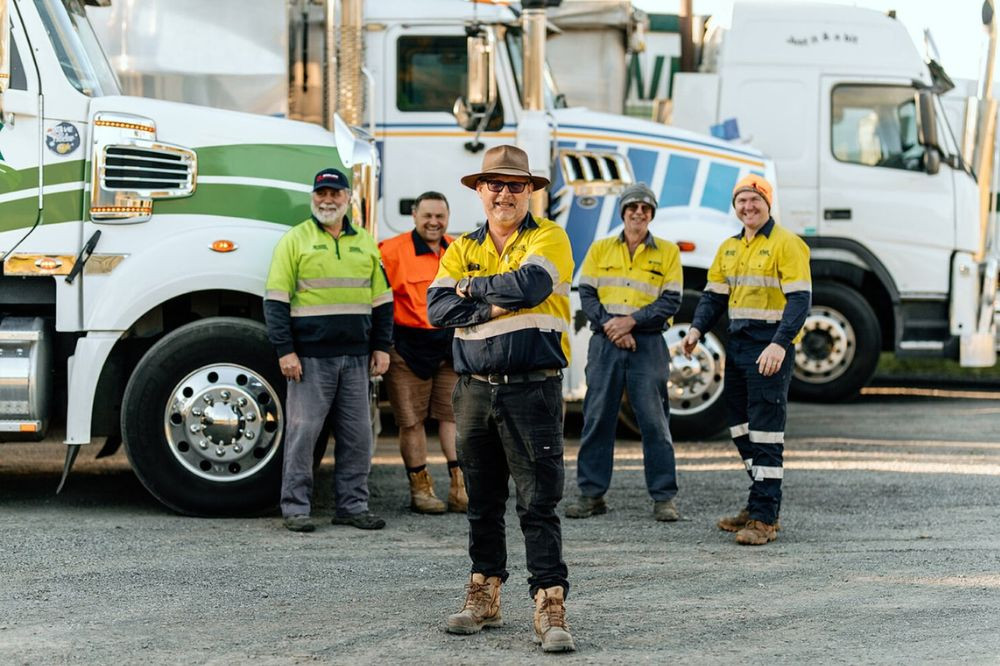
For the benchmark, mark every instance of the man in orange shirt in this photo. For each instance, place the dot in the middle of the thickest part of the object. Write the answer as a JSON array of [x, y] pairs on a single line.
[[421, 378]]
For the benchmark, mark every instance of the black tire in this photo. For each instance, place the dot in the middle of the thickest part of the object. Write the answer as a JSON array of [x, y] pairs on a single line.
[[207, 387], [840, 348], [697, 410]]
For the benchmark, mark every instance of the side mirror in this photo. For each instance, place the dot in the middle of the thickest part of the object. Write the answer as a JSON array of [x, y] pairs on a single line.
[[932, 160], [481, 86], [464, 115], [927, 134], [4, 50]]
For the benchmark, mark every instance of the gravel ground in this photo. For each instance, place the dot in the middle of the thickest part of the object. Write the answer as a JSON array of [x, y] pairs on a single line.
[[886, 555]]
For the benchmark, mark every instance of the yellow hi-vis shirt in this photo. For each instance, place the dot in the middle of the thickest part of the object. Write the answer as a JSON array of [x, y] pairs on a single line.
[[627, 284], [531, 278], [756, 275]]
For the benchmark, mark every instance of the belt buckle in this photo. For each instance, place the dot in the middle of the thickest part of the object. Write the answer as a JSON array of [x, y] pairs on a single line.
[[496, 379]]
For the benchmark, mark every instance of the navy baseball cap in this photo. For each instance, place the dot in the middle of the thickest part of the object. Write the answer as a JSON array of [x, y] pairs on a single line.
[[331, 178]]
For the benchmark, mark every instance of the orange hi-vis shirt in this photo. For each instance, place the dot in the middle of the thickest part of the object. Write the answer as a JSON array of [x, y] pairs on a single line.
[[411, 266]]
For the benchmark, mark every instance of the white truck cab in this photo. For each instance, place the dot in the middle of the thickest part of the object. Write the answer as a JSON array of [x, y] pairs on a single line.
[[870, 175], [135, 236]]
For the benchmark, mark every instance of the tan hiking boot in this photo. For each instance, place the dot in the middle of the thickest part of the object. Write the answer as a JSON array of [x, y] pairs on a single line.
[[756, 533], [482, 606], [422, 497], [739, 521], [458, 500], [551, 629], [666, 511]]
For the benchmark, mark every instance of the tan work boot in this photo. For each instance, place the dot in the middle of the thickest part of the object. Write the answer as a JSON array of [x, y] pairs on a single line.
[[551, 629], [458, 500], [666, 511], [739, 521], [756, 533], [422, 497], [482, 606]]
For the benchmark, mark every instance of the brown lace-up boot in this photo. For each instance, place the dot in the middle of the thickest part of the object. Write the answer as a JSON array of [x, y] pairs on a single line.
[[482, 606], [739, 521], [756, 533], [422, 497], [458, 500], [551, 629]]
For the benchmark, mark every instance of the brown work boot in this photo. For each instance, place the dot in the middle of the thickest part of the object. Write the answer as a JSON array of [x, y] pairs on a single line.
[[734, 523], [422, 497], [482, 606], [551, 629], [739, 521], [756, 533], [458, 500]]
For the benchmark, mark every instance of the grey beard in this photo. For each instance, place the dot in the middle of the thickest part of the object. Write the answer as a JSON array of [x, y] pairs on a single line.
[[327, 218]]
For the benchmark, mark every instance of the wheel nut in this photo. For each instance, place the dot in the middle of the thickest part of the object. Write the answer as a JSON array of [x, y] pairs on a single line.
[[203, 444], [196, 412], [242, 402], [219, 451], [207, 399], [225, 395], [238, 449], [250, 417], [195, 427], [249, 434]]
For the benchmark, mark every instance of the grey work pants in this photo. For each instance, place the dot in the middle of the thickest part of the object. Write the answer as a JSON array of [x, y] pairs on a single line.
[[339, 384]]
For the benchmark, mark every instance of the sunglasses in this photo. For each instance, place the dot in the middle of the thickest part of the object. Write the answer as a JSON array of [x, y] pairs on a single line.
[[498, 185]]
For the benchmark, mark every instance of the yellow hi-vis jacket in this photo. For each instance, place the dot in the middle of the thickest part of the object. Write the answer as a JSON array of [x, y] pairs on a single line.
[[646, 285], [765, 282], [531, 278]]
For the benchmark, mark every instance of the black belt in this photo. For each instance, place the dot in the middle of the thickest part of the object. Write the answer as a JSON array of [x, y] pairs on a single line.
[[496, 379]]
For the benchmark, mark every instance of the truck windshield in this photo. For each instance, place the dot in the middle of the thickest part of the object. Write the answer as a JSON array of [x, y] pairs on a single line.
[[553, 99], [77, 48]]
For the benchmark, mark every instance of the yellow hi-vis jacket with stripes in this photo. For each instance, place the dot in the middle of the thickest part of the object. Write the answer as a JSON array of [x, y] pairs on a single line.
[[765, 282], [531, 278], [327, 296], [646, 285]]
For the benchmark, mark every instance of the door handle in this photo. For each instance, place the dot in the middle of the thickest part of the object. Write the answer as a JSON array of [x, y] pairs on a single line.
[[836, 213]]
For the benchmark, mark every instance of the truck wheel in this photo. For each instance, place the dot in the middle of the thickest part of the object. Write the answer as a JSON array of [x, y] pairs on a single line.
[[202, 418], [697, 410], [839, 348]]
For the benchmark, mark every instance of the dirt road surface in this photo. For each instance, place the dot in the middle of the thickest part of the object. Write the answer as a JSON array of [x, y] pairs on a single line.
[[889, 553]]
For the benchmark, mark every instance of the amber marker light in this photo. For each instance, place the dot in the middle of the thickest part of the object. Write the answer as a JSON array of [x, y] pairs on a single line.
[[48, 263], [685, 246], [28, 427], [223, 246]]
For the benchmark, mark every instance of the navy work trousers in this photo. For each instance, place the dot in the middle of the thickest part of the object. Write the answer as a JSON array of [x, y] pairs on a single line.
[[506, 431], [757, 407], [643, 373]]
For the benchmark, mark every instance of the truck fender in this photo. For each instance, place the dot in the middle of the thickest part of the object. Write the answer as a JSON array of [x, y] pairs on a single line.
[[144, 280]]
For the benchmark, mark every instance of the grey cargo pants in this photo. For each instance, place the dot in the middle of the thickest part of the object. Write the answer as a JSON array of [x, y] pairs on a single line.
[[339, 384]]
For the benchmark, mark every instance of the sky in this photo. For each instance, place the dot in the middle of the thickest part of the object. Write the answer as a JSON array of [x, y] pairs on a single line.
[[956, 26]]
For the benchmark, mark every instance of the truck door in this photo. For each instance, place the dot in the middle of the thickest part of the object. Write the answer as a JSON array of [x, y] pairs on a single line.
[[874, 188], [20, 143], [423, 148]]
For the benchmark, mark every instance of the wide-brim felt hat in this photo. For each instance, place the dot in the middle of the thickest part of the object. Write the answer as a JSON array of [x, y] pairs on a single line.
[[505, 160]]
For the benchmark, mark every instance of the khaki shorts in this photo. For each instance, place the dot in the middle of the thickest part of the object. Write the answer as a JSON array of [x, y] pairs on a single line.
[[414, 399]]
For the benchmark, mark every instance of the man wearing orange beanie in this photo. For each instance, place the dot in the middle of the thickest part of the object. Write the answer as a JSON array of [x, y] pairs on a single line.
[[762, 276]]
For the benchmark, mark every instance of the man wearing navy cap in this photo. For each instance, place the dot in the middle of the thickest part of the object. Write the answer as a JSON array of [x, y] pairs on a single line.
[[328, 308]]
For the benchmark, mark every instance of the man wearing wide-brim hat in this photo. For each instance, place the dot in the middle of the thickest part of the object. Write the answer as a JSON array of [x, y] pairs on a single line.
[[505, 290]]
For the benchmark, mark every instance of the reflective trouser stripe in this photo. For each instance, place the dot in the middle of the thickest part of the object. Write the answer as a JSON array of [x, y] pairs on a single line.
[[765, 437], [761, 472], [739, 430]]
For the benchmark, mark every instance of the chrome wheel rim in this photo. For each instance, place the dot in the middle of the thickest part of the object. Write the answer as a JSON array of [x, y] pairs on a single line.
[[827, 347], [695, 383]]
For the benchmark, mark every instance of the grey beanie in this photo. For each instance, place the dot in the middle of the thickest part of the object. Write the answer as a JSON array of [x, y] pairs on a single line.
[[636, 193]]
